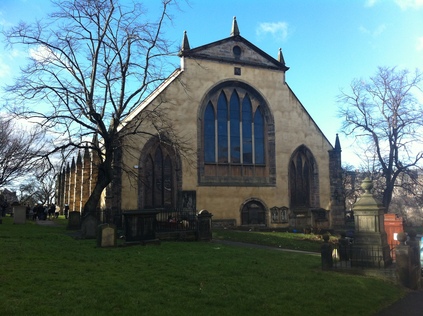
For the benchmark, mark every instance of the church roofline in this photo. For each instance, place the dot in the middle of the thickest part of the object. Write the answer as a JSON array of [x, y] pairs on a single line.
[[310, 117], [196, 53], [186, 51], [150, 98]]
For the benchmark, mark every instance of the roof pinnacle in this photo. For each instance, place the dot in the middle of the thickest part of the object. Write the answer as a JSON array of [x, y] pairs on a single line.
[[185, 43], [235, 29], [280, 57]]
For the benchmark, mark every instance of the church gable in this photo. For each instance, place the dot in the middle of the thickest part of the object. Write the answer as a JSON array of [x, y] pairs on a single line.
[[234, 49]]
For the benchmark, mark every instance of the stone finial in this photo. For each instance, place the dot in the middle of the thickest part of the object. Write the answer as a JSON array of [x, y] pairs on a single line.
[[402, 237], [235, 29], [367, 185], [337, 143], [185, 43], [280, 57]]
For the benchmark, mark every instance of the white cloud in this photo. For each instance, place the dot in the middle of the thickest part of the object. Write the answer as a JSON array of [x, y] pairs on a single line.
[[375, 32], [279, 30], [42, 54], [370, 3], [409, 4]]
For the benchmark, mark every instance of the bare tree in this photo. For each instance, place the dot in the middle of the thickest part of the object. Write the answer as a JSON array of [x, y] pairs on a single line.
[[92, 63], [19, 151], [384, 114], [38, 188]]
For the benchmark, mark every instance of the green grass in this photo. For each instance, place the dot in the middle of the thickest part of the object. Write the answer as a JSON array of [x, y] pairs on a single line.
[[296, 241], [44, 271]]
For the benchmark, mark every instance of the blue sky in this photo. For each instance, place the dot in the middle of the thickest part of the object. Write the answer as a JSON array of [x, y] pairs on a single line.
[[326, 43]]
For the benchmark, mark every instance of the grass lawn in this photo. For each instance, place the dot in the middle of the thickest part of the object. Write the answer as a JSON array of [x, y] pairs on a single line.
[[304, 242], [44, 271]]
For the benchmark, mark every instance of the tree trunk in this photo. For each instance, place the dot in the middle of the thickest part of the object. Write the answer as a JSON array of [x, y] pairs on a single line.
[[387, 196]]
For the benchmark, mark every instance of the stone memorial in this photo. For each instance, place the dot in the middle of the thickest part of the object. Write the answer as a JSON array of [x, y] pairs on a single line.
[[204, 225], [19, 214], [74, 222], [404, 263], [371, 248], [106, 235], [89, 227]]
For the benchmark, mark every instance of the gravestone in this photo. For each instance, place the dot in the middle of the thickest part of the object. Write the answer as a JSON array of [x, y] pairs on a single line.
[[106, 235], [89, 227], [74, 221], [19, 214]]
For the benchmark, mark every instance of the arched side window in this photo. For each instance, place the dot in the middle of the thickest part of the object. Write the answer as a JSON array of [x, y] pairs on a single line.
[[303, 180], [236, 138], [158, 182], [159, 175]]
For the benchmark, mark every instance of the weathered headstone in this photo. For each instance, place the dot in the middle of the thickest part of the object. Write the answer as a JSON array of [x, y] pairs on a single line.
[[89, 227], [19, 214], [106, 235], [74, 222]]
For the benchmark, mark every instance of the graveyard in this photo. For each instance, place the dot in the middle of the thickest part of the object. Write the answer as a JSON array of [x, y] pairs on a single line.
[[47, 270]]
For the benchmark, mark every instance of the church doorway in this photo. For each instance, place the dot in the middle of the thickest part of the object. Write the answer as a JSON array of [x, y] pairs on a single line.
[[253, 213]]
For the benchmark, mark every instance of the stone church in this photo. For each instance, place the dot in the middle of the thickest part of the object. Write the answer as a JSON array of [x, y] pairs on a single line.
[[257, 157]]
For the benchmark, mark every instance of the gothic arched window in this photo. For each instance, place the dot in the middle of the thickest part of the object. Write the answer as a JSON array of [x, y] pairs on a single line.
[[236, 140], [158, 180], [303, 179]]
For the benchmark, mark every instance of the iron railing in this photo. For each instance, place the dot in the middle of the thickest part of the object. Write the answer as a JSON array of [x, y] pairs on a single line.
[[165, 221], [350, 255]]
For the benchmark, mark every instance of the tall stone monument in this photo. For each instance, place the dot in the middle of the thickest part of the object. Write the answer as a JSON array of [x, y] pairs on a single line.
[[370, 248]]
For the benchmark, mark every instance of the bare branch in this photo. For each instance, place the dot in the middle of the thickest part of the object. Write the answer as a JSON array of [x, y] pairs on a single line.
[[91, 64]]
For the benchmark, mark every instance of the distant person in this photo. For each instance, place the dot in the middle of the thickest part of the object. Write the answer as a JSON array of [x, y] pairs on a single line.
[[39, 211], [51, 211], [66, 211]]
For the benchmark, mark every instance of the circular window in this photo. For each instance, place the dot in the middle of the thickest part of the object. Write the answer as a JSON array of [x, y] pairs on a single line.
[[237, 51]]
